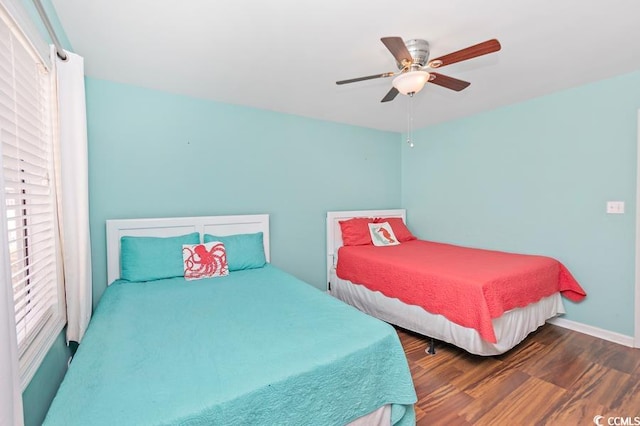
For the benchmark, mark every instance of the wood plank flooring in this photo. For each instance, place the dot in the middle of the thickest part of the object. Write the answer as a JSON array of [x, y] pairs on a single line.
[[555, 377]]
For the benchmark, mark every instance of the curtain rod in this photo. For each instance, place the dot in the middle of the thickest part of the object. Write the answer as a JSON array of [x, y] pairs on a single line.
[[45, 19]]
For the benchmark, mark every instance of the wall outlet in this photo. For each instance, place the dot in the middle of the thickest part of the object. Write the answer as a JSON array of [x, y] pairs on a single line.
[[615, 207]]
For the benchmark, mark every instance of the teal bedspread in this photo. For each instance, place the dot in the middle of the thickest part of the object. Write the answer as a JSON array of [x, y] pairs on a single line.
[[258, 347]]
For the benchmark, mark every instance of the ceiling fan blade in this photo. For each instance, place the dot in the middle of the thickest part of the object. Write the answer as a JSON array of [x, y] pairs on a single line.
[[448, 82], [398, 49], [470, 52], [391, 95], [368, 77]]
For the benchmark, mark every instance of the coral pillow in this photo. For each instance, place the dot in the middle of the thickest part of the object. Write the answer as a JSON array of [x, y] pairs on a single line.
[[400, 230], [204, 260], [355, 232], [382, 234]]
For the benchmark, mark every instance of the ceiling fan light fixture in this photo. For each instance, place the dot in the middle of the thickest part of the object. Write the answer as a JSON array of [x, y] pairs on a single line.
[[411, 82]]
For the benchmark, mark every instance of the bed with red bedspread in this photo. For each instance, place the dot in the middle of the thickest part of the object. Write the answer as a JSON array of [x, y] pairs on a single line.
[[466, 285], [484, 301]]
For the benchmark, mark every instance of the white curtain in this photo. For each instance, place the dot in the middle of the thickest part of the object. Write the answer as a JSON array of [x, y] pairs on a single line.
[[73, 193], [10, 394]]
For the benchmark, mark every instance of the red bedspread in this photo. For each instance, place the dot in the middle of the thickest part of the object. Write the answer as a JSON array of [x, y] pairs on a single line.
[[468, 286]]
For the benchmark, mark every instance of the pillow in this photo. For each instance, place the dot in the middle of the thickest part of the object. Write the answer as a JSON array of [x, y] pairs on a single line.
[[244, 251], [204, 260], [355, 232], [153, 258], [382, 234], [400, 230]]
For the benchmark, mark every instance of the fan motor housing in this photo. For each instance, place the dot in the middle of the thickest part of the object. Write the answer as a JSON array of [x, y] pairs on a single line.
[[419, 50]]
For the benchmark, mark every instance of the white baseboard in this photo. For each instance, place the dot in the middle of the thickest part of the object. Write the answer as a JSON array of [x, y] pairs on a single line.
[[600, 333]]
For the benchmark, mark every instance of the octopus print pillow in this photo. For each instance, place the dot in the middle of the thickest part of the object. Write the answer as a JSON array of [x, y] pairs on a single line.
[[204, 260], [382, 234]]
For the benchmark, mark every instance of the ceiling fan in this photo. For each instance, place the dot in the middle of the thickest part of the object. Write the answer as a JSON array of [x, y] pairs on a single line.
[[412, 59]]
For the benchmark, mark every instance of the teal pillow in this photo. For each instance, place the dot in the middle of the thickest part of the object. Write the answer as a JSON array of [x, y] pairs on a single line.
[[153, 258], [244, 251]]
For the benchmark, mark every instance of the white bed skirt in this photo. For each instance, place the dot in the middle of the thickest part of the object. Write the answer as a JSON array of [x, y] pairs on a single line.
[[379, 417], [510, 329]]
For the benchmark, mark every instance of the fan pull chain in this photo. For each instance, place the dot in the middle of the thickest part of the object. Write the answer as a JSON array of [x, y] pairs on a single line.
[[410, 121]]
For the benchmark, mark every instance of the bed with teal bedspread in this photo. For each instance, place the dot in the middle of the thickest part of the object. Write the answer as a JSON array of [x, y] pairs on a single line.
[[258, 347]]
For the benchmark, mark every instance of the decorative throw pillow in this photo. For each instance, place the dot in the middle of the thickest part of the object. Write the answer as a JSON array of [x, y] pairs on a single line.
[[355, 232], [204, 260], [399, 228], [382, 234]]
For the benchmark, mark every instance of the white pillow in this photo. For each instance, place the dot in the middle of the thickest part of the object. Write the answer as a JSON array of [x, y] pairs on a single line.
[[204, 260], [382, 234]]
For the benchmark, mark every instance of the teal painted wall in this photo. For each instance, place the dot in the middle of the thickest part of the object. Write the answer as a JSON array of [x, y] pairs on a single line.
[[154, 154], [44, 385], [534, 177], [38, 395]]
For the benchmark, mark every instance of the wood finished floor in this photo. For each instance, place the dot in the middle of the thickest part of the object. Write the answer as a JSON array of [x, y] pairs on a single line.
[[555, 377]]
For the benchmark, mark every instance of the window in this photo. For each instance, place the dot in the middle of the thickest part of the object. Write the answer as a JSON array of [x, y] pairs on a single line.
[[26, 143]]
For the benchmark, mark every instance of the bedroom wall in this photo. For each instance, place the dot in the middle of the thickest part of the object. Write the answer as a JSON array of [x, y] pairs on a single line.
[[155, 154], [535, 177]]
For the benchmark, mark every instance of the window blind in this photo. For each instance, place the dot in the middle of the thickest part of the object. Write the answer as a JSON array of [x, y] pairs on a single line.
[[26, 137]]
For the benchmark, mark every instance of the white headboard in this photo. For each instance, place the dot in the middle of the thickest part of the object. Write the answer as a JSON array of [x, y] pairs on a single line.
[[334, 234], [171, 227]]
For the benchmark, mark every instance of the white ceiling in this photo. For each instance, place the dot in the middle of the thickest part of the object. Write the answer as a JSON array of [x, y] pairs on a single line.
[[285, 55]]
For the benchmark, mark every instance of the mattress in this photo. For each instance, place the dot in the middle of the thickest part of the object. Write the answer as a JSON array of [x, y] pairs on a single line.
[[256, 347]]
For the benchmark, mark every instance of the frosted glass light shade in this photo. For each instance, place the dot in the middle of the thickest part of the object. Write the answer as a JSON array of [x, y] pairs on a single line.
[[411, 82]]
